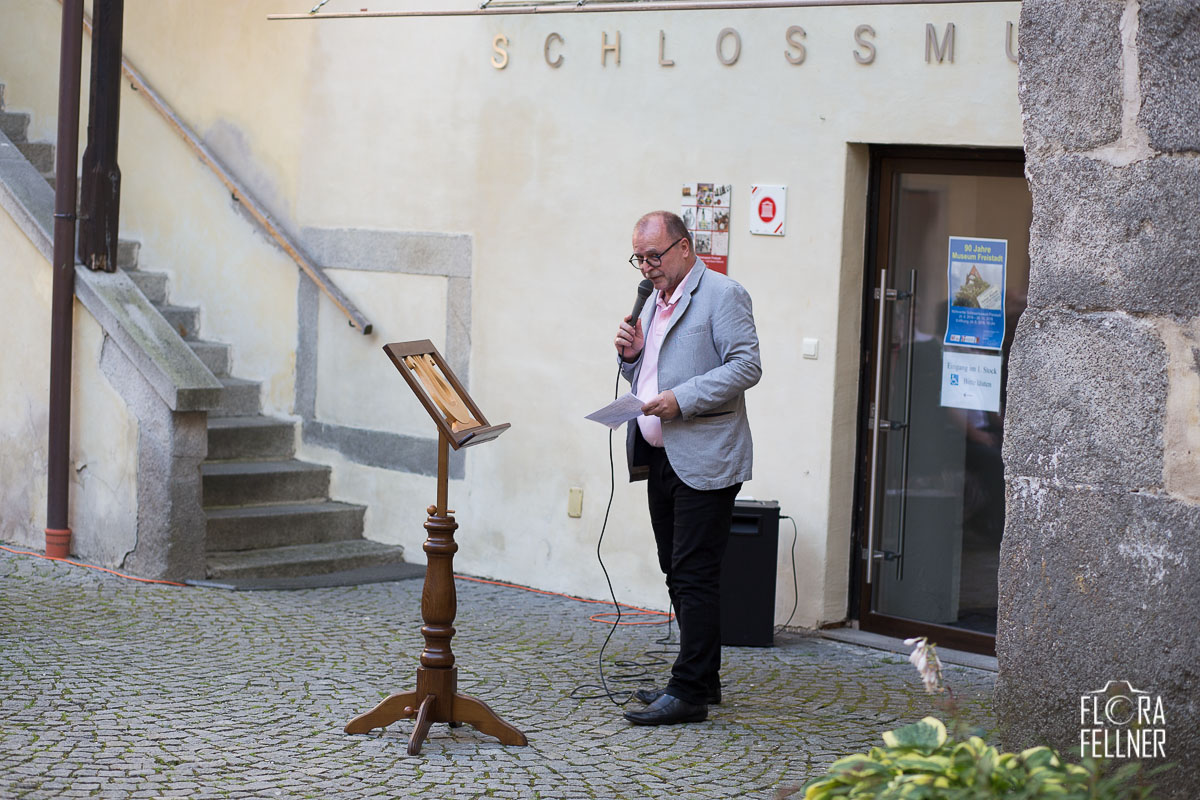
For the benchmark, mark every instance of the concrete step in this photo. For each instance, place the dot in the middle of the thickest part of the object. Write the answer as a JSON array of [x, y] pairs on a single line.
[[14, 125], [40, 154], [127, 253], [152, 284], [250, 437], [259, 527], [241, 483], [215, 355], [239, 398], [184, 319], [307, 559]]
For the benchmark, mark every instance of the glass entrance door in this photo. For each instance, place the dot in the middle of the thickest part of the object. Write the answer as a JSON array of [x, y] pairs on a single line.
[[949, 254]]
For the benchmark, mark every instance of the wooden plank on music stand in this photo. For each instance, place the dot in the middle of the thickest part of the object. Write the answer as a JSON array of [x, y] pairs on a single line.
[[460, 423]]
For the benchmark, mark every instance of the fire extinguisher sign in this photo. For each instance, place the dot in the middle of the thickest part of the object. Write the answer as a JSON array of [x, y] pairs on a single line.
[[768, 204]]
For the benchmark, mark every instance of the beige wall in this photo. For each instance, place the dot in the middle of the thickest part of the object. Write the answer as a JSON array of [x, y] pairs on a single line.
[[29, 63], [403, 125], [215, 255], [103, 450]]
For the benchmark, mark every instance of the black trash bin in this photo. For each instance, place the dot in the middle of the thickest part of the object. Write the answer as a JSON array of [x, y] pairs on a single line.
[[748, 575]]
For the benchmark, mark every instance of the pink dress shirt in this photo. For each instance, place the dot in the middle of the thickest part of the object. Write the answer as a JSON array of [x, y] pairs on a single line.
[[647, 385]]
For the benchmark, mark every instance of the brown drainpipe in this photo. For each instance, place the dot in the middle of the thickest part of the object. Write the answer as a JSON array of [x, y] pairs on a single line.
[[62, 303]]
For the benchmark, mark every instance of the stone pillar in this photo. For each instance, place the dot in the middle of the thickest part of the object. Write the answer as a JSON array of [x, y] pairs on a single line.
[[1100, 563], [171, 524]]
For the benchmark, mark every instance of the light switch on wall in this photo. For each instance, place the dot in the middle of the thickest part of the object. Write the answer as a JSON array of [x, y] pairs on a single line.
[[575, 502], [808, 348]]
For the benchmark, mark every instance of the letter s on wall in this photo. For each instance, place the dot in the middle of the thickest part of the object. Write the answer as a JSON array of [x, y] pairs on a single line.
[[500, 57], [861, 42], [793, 32]]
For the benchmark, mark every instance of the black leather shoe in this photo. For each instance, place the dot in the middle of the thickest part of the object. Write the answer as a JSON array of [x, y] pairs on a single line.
[[648, 696], [668, 710]]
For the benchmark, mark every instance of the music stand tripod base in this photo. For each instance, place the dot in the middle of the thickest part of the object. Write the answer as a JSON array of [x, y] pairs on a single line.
[[429, 707]]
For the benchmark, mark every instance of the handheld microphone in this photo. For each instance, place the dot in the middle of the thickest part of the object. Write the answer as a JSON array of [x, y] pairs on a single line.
[[644, 290]]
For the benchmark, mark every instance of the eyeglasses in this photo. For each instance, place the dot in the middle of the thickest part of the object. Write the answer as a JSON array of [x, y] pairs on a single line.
[[636, 261]]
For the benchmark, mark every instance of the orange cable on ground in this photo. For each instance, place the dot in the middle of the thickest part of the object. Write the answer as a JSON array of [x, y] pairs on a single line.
[[90, 566], [598, 617]]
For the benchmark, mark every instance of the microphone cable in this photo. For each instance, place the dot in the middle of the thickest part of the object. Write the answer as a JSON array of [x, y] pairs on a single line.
[[631, 670], [795, 582], [637, 671]]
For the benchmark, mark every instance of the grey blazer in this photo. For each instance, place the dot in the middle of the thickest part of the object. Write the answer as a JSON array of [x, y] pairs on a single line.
[[709, 358]]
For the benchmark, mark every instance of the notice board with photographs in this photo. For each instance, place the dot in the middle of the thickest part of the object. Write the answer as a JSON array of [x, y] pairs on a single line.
[[705, 211]]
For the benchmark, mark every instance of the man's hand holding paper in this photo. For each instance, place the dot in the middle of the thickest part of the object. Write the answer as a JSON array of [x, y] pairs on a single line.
[[619, 411]]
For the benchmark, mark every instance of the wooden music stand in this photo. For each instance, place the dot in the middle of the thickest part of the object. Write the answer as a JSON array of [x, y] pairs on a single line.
[[460, 423]]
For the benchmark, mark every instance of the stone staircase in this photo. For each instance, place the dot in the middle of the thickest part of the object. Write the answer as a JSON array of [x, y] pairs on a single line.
[[268, 514], [15, 125]]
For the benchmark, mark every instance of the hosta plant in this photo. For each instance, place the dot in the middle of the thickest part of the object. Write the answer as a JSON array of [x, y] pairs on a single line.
[[922, 762]]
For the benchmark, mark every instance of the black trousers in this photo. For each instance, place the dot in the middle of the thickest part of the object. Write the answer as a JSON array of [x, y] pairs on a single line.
[[691, 529]]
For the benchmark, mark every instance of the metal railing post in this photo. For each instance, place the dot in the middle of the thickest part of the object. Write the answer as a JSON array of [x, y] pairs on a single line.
[[100, 203]]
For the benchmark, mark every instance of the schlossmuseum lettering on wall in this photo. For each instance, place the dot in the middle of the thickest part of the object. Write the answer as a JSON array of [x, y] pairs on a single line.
[[862, 45]]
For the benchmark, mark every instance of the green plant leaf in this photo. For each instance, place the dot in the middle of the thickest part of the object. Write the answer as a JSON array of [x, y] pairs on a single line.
[[825, 789], [1039, 756], [937, 765], [925, 736], [1127, 771], [857, 767], [986, 763], [883, 755], [910, 790]]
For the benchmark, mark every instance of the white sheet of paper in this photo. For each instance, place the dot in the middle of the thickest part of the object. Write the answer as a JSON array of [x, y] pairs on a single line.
[[619, 411]]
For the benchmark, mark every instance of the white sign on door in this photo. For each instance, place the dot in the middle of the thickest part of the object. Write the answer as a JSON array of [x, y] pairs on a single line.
[[971, 380]]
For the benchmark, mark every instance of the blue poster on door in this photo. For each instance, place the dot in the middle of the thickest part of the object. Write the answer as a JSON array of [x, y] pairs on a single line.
[[975, 282]]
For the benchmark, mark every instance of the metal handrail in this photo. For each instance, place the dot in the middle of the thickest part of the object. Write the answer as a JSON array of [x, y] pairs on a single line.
[[247, 201]]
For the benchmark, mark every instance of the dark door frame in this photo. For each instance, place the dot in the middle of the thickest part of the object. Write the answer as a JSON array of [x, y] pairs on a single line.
[[885, 163]]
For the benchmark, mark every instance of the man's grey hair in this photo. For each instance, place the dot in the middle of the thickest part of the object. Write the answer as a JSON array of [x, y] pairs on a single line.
[[675, 226]]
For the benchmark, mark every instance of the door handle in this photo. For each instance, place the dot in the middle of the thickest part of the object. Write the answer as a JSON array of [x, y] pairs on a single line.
[[881, 295], [912, 322]]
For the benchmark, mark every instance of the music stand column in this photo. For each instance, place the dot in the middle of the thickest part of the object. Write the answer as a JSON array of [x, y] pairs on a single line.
[[437, 677]]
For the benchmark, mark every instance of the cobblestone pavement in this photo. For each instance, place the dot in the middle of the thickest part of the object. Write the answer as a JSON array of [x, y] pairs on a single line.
[[114, 689]]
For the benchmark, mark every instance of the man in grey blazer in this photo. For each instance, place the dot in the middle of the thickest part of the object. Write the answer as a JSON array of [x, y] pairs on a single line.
[[690, 356]]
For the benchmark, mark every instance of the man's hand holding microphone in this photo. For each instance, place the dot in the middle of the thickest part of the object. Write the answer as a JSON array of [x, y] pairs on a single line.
[[630, 341]]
